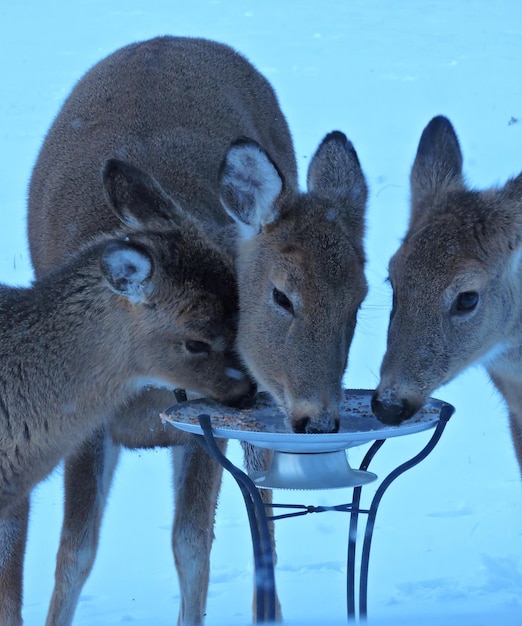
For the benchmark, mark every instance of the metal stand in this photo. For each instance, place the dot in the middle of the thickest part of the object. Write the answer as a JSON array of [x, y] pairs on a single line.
[[263, 557]]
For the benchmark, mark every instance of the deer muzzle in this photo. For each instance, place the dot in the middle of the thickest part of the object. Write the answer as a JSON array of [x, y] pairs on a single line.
[[391, 409]]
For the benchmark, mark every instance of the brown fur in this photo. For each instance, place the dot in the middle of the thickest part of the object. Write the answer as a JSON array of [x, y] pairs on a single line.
[[457, 285], [69, 348], [208, 127]]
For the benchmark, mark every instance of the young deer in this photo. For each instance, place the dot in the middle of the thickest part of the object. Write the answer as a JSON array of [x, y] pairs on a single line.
[[84, 339], [208, 127], [457, 285]]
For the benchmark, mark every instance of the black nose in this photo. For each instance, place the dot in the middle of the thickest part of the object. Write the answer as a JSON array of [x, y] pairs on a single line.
[[390, 411], [246, 401], [304, 425]]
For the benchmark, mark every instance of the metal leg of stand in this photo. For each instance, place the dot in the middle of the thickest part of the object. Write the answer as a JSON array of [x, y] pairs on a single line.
[[263, 556], [445, 414], [352, 534]]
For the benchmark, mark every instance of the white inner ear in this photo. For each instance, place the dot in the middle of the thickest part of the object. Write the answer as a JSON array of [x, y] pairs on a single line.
[[244, 230], [256, 185], [131, 269], [129, 219], [516, 259], [130, 261]]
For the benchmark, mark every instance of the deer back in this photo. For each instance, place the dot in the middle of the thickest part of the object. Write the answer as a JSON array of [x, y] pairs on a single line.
[[170, 106], [456, 280], [208, 127]]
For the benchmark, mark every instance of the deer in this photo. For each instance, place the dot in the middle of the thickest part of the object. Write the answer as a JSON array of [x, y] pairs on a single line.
[[207, 126], [70, 342], [456, 279]]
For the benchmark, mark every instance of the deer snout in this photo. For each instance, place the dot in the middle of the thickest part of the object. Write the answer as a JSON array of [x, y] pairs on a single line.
[[391, 409], [311, 422], [237, 389], [246, 400]]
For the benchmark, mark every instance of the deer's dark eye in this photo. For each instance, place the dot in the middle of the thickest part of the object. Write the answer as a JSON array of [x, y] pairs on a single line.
[[282, 300], [197, 347], [466, 301]]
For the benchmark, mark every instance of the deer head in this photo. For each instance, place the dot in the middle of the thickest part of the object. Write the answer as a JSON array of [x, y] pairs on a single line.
[[456, 278]]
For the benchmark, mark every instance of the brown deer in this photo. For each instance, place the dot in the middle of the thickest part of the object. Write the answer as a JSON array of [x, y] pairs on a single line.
[[207, 126], [456, 282], [84, 339]]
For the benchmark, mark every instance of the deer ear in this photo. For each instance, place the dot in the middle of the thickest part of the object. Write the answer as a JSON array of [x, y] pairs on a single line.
[[135, 196], [438, 163], [250, 184], [510, 198], [128, 269], [512, 190], [335, 175]]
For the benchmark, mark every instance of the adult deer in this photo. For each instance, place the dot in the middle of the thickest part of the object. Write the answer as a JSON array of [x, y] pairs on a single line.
[[69, 347], [208, 127], [456, 282]]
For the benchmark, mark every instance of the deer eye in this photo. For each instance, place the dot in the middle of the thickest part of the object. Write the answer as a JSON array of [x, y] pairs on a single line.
[[282, 300], [197, 347], [466, 302]]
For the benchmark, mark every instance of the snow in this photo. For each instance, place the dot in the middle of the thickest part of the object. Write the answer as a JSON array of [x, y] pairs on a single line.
[[447, 546]]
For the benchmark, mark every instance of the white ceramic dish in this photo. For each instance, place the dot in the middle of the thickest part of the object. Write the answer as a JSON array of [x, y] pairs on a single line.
[[300, 460], [266, 426]]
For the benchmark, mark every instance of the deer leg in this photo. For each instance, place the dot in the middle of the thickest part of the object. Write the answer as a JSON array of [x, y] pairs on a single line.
[[197, 480], [257, 460], [516, 435], [88, 475], [13, 536], [509, 387]]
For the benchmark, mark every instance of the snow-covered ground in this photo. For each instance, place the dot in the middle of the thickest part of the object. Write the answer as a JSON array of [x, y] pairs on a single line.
[[448, 540]]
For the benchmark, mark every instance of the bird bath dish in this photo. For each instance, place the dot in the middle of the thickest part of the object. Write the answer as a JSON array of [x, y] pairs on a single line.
[[302, 460]]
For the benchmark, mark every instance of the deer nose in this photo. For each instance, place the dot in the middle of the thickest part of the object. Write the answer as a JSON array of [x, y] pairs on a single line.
[[245, 401], [389, 409], [308, 426]]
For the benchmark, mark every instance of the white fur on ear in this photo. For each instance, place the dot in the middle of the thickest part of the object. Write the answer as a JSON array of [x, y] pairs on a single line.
[[515, 261], [128, 269], [250, 186], [128, 218]]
